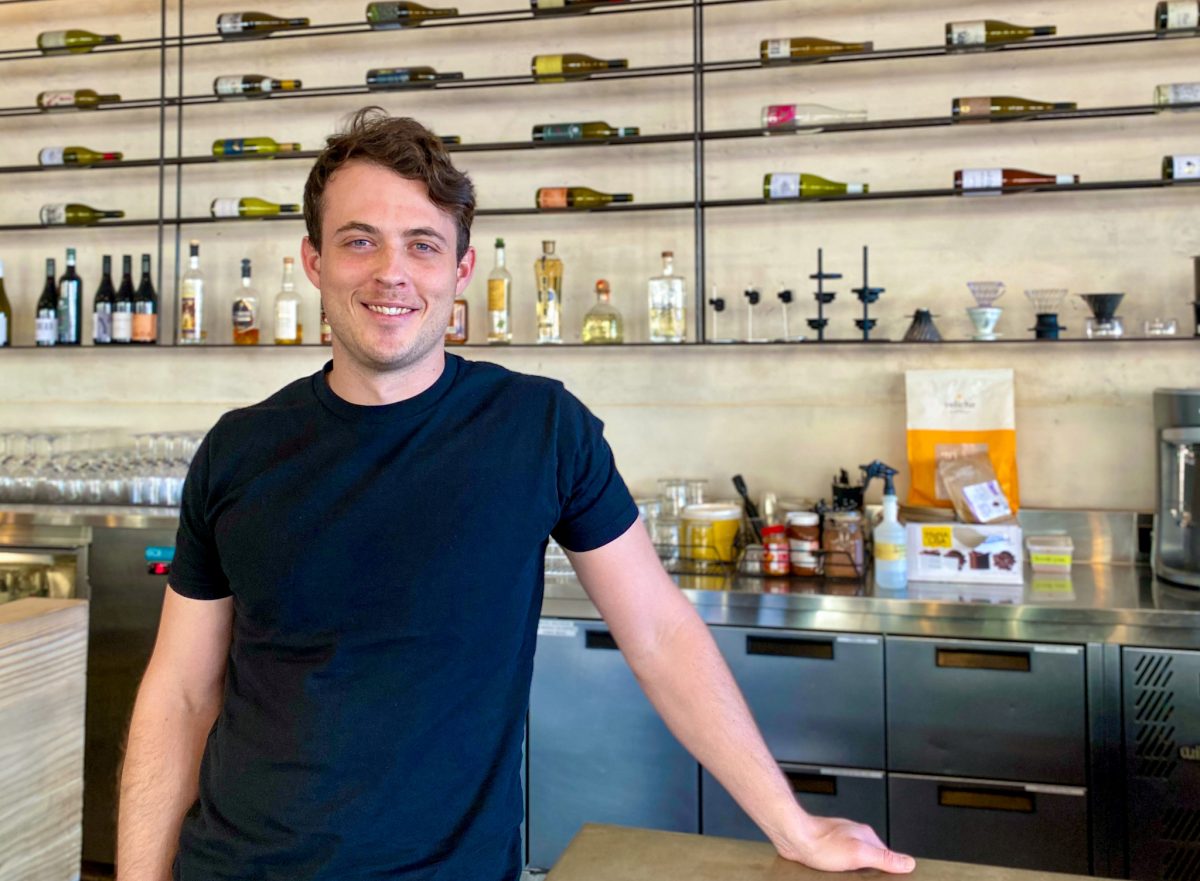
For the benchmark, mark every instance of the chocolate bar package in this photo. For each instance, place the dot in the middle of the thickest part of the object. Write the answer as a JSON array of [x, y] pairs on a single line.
[[965, 552]]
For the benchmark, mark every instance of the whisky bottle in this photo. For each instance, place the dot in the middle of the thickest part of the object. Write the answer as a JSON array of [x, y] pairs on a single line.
[[458, 330], [667, 298], [6, 319], [382, 78], [602, 324], [193, 329], [251, 85], [548, 273], [1181, 167], [70, 304], [989, 32], [245, 310], [1172, 15], [77, 99], [790, 185], [581, 131], [577, 198], [995, 179], [571, 65], [145, 308], [75, 156], [807, 116], [385, 16], [232, 148], [122, 323], [45, 331], [806, 49], [249, 25], [72, 41], [289, 329], [1173, 95], [73, 214], [990, 107], [102, 305], [499, 300], [250, 206]]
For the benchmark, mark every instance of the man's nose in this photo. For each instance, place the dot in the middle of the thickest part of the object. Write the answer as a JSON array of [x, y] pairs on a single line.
[[392, 267]]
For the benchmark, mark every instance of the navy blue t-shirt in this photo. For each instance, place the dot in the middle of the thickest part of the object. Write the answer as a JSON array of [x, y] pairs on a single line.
[[385, 565]]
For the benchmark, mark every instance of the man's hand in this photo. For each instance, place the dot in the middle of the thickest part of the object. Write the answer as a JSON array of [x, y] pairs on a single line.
[[834, 845]]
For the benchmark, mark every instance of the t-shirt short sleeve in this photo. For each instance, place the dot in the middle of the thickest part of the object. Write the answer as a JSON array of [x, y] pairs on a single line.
[[596, 504], [196, 571]]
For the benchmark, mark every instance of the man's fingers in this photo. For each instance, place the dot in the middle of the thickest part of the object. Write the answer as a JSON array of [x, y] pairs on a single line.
[[890, 861]]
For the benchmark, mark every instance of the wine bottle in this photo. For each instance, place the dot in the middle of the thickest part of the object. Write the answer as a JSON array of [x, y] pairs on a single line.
[[458, 329], [289, 329], [122, 323], [499, 300], [581, 131], [145, 308], [70, 304], [602, 325], [1171, 95], [251, 85], [46, 317], [450, 140], [990, 107], [567, 7], [791, 185], [1172, 15], [102, 306], [1181, 167], [806, 48], [73, 41], [193, 329], [807, 116], [78, 99], [381, 78], [580, 198], [6, 319], [249, 206], [989, 32], [666, 295], [245, 311], [73, 214], [571, 65], [548, 275], [249, 25], [387, 16], [75, 156], [994, 179], [232, 148]]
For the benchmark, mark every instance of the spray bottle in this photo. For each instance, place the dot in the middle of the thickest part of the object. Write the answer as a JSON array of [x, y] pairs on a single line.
[[891, 539]]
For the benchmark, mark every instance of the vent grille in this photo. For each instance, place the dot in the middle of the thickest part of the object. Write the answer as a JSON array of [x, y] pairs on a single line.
[[1155, 748], [1181, 864], [1181, 825]]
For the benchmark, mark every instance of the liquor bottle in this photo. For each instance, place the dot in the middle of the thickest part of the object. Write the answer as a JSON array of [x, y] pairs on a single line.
[[193, 329], [386, 16], [326, 330], [102, 306], [567, 7], [1169, 95], [667, 297], [993, 179], [791, 185], [571, 65], [458, 331], [806, 49], [245, 311], [499, 299], [231, 148], [46, 320], [252, 85], [70, 304], [548, 273], [78, 99], [145, 308], [250, 206], [1171, 15], [602, 324], [1181, 167], [579, 198], [989, 32], [581, 131], [382, 78], [75, 156], [807, 116], [72, 41], [6, 319], [289, 330], [449, 140], [1001, 106], [248, 25], [73, 214], [122, 322]]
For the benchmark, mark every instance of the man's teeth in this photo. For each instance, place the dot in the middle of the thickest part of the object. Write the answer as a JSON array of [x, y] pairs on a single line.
[[390, 310]]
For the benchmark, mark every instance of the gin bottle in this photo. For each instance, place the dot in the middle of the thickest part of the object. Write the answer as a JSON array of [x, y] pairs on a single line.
[[548, 271], [668, 304]]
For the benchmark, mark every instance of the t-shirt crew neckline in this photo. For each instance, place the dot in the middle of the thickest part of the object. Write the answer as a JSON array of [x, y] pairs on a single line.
[[405, 409]]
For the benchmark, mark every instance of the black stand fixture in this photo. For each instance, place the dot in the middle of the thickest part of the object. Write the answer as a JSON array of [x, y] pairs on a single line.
[[866, 295], [822, 296]]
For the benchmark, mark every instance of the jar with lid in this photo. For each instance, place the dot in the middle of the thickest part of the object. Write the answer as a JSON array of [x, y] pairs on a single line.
[[842, 541], [804, 540], [776, 559]]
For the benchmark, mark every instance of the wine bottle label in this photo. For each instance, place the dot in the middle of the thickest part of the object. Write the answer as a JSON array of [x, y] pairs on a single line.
[[780, 114], [1183, 93], [57, 99], [784, 185], [497, 295], [552, 197], [145, 325], [45, 330], [51, 156], [58, 39], [982, 178], [225, 208], [102, 327], [1185, 167], [3, 329], [548, 65], [52, 215], [387, 76], [456, 330], [572, 131], [1183, 14], [122, 327], [551, 4], [230, 23], [779, 49], [968, 33], [189, 311], [232, 146], [285, 320], [229, 85]]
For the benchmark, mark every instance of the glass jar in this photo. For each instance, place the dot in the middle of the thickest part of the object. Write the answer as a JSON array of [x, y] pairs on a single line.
[[804, 540], [842, 541], [776, 559]]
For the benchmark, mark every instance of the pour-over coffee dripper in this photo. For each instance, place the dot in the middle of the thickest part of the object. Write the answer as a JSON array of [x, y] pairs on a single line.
[[1104, 322], [984, 316], [1046, 303]]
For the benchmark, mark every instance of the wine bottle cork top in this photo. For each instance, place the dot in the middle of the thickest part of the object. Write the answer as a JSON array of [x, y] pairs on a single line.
[[288, 261], [668, 253]]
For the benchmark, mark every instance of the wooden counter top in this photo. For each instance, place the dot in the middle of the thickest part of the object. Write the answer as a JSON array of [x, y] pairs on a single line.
[[617, 853]]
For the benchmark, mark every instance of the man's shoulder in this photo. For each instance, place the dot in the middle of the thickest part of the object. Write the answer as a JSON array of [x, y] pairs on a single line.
[[488, 378], [279, 412]]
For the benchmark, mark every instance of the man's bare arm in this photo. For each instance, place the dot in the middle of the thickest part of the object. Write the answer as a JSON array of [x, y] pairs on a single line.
[[177, 703], [678, 665]]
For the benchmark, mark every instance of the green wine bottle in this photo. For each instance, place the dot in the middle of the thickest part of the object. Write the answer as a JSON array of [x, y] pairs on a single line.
[[552, 198], [79, 99], [1001, 106], [1174, 15], [382, 78], [790, 185], [807, 48], [571, 65], [249, 25], [250, 206], [990, 32], [1181, 167], [251, 85], [102, 305], [75, 156], [387, 16], [46, 317], [581, 131], [265, 148], [74, 214], [72, 41]]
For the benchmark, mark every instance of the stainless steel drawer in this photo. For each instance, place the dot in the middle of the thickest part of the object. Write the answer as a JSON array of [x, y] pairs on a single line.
[[998, 710], [827, 792], [1025, 826], [818, 697]]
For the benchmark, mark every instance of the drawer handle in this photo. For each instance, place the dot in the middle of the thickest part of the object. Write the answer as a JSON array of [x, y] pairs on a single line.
[[599, 639], [977, 659], [814, 784], [816, 649], [1013, 801]]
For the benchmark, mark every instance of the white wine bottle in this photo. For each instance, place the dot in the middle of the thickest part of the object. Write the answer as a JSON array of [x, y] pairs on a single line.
[[806, 49], [578, 198], [990, 32], [381, 78], [988, 107], [74, 99], [793, 185], [249, 206], [251, 85], [265, 148], [571, 65], [193, 329], [581, 131], [76, 156], [289, 327], [73, 214], [499, 300], [1175, 15], [807, 116], [387, 16], [249, 25], [993, 180], [73, 41], [1176, 95], [1181, 167]]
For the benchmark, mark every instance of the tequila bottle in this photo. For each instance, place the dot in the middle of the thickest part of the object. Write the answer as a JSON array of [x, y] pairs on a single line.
[[602, 324], [499, 298], [668, 304], [548, 271]]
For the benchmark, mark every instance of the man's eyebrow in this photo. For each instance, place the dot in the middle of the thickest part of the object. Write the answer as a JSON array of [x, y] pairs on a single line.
[[357, 225], [424, 232]]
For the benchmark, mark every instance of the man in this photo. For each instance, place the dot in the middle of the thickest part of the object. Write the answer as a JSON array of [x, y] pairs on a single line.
[[342, 669]]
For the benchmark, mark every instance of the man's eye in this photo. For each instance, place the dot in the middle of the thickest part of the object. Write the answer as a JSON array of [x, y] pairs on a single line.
[[424, 246], [359, 242]]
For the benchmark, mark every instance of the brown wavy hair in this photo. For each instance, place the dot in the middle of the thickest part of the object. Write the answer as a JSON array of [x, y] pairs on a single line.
[[404, 146]]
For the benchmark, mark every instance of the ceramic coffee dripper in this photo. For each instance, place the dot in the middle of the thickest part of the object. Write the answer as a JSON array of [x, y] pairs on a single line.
[[984, 316]]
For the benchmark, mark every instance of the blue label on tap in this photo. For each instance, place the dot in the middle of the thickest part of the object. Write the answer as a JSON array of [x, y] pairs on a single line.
[[159, 554]]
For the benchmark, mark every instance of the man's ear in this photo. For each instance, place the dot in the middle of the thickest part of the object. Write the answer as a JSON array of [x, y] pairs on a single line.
[[310, 259]]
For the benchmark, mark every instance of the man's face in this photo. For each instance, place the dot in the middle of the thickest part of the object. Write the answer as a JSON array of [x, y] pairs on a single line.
[[387, 269]]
